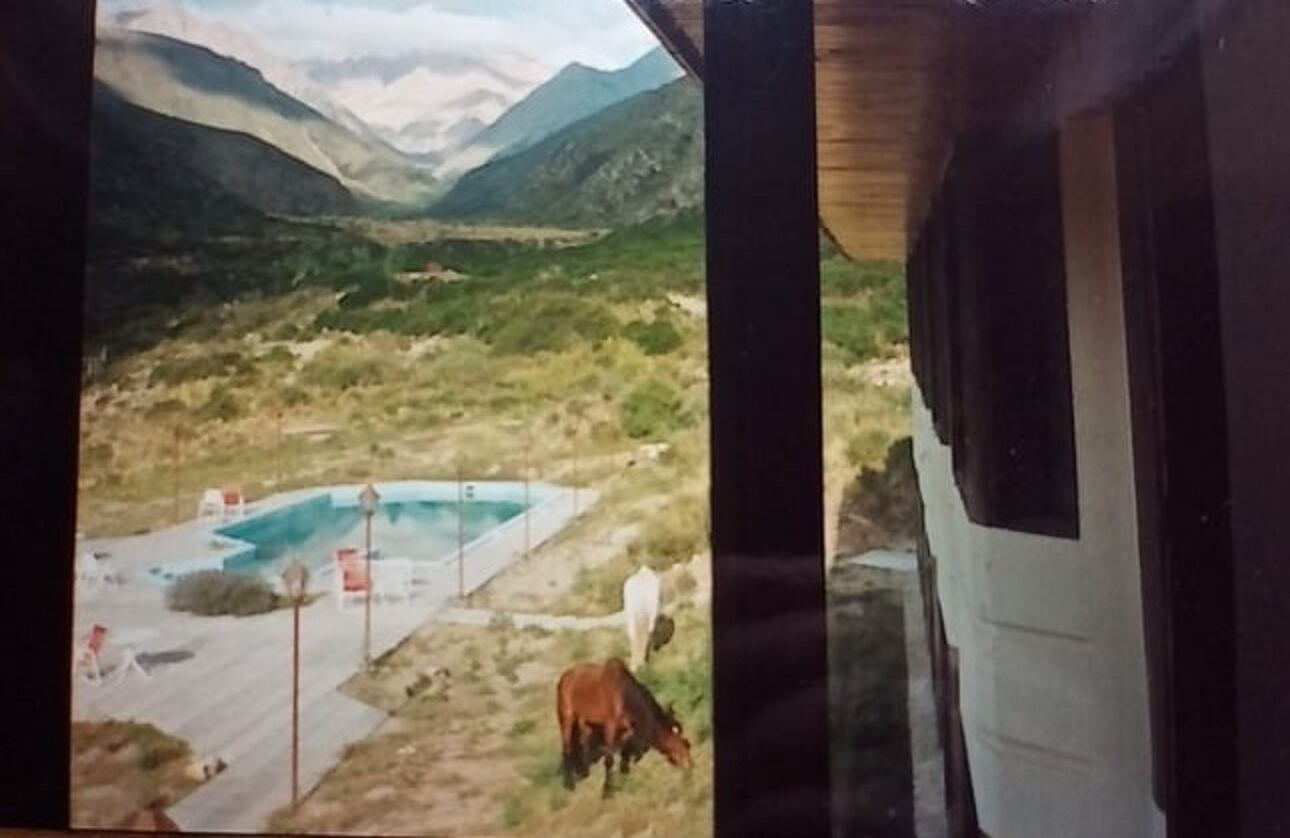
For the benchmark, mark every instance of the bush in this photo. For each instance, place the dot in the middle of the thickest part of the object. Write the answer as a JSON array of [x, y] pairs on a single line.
[[338, 369], [197, 367], [214, 592], [880, 508], [220, 406], [549, 323], [657, 337], [653, 409], [673, 534], [850, 328]]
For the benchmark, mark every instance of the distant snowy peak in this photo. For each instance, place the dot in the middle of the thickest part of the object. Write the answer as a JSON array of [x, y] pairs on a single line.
[[428, 102]]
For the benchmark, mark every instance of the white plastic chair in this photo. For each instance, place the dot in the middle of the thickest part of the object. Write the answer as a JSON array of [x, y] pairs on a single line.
[[211, 506], [392, 579], [234, 504], [90, 569]]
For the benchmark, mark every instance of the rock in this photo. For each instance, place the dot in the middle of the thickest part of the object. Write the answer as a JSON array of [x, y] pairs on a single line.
[[201, 769], [378, 794], [435, 679]]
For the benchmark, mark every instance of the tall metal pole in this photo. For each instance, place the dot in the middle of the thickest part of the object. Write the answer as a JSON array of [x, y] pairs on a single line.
[[175, 470], [277, 452], [461, 543], [367, 600], [527, 442], [575, 467], [295, 702]]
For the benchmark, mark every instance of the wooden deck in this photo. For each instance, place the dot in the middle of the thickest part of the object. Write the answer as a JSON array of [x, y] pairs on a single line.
[[223, 684]]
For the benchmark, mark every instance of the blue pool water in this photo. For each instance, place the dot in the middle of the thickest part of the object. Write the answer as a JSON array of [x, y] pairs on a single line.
[[312, 529]]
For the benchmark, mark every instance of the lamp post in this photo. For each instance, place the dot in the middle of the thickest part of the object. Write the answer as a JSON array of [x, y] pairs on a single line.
[[461, 542], [295, 579], [368, 499], [528, 449]]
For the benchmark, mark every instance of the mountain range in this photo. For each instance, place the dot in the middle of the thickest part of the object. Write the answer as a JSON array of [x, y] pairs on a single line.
[[156, 177], [638, 159], [574, 93], [238, 128], [192, 83]]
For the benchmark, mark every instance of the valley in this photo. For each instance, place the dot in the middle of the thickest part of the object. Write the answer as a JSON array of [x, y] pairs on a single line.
[[297, 279]]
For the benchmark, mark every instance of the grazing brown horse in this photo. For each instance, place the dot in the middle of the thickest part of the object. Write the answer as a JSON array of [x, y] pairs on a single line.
[[603, 710]]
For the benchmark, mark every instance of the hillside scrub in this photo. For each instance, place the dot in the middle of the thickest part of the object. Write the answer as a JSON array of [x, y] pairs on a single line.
[[653, 410], [119, 767]]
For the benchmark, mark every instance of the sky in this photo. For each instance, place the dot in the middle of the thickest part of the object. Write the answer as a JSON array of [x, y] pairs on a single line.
[[599, 33]]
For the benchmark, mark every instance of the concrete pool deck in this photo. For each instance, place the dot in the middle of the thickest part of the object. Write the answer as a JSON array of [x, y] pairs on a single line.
[[223, 683]]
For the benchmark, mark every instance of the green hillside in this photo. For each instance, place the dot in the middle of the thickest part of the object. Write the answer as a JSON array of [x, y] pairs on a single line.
[[636, 160], [188, 82], [155, 177], [575, 93]]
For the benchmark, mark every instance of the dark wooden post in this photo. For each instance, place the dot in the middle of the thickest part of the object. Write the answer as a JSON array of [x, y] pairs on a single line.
[[770, 655], [295, 702], [45, 90]]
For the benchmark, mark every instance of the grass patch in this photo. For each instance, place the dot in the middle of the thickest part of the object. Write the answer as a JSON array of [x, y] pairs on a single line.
[[120, 767]]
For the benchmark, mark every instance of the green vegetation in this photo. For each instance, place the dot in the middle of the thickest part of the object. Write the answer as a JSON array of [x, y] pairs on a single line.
[[211, 593], [657, 337], [652, 410], [864, 307]]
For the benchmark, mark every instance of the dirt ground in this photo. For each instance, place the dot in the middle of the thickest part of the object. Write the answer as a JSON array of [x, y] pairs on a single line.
[[472, 747], [119, 768]]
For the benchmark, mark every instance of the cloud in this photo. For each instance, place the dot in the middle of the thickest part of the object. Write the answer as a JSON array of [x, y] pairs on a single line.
[[600, 33]]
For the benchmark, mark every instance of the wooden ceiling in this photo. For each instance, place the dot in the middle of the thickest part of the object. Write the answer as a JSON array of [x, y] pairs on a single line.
[[890, 80]]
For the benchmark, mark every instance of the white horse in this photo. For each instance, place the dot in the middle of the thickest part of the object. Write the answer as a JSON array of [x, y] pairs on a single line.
[[640, 610]]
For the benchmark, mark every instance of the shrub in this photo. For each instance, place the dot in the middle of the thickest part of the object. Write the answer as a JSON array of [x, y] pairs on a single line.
[[338, 369], [673, 534], [550, 322], [220, 405], [866, 447], [214, 592], [851, 328], [880, 508], [653, 409], [197, 367], [163, 409], [658, 337]]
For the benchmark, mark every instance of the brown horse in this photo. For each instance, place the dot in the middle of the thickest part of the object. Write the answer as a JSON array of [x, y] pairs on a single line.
[[603, 710]]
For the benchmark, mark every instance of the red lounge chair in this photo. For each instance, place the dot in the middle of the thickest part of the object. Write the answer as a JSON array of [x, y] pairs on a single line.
[[351, 576], [87, 656]]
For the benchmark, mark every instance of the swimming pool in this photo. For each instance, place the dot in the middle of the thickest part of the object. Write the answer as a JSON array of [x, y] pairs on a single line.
[[415, 519], [313, 529]]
